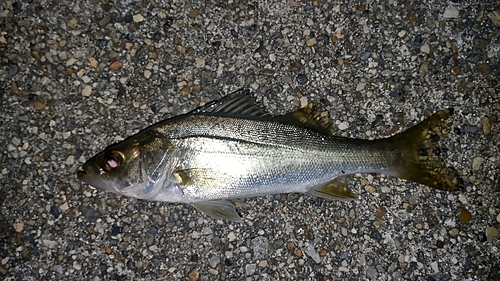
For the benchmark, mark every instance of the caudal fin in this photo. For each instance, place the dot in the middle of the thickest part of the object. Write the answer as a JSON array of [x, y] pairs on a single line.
[[420, 155]]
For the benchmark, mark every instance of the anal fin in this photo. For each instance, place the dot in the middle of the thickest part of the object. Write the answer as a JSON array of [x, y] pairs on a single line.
[[336, 189], [218, 210]]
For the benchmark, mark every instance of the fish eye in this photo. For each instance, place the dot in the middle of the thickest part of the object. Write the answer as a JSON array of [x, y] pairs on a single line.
[[113, 161]]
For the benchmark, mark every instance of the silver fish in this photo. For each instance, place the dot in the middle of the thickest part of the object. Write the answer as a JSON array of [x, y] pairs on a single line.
[[231, 149]]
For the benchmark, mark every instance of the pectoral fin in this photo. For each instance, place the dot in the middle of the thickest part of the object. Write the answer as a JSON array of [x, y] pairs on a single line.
[[337, 189], [218, 210]]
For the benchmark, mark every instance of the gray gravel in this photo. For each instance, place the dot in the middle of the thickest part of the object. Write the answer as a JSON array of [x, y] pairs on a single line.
[[76, 76]]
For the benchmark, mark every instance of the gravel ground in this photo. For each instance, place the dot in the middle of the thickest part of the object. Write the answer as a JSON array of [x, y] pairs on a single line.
[[76, 76]]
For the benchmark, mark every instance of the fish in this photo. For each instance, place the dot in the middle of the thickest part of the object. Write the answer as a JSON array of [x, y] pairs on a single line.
[[232, 148]]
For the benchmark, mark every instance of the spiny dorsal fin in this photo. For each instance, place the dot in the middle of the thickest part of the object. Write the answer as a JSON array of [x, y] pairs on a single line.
[[237, 104], [311, 116]]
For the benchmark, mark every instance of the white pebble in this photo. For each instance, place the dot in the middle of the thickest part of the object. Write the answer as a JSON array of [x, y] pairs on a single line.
[[451, 12], [343, 126], [138, 18], [87, 91], [425, 48]]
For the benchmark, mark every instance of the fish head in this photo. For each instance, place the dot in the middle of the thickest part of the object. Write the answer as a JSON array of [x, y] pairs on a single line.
[[135, 167]]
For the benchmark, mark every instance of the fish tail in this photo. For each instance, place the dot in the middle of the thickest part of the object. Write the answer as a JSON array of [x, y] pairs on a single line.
[[420, 156]]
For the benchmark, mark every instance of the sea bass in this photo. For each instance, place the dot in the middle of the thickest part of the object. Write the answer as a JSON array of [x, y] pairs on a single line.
[[231, 149]]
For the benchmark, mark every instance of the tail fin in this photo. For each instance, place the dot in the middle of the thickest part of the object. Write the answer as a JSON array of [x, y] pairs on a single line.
[[420, 154]]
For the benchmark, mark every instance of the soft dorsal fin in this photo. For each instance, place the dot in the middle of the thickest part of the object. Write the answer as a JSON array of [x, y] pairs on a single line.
[[311, 116], [237, 104]]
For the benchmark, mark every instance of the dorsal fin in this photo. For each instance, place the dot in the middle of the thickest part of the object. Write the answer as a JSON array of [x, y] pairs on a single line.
[[311, 116], [237, 104]]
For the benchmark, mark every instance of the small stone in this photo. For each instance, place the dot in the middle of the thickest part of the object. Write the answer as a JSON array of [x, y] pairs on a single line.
[[19, 225], [453, 232], [483, 68], [70, 160], [402, 33], [116, 65], [451, 12], [87, 91], [93, 62], [464, 216], [439, 244], [476, 163], [425, 48], [311, 252], [196, 88], [360, 86], [343, 125], [302, 79], [194, 275], [491, 233], [424, 68], [311, 42], [303, 101], [72, 23], [38, 105], [365, 55], [185, 90], [199, 62], [138, 18], [147, 74], [55, 211], [213, 271], [128, 46], [498, 217], [250, 269], [495, 17], [435, 266], [486, 125], [260, 246], [471, 129], [231, 236], [455, 69], [193, 14], [108, 250], [369, 189], [297, 252], [381, 211]]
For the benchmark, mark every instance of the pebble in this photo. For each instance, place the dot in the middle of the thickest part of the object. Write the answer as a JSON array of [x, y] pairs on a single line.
[[250, 269], [55, 211], [360, 86], [199, 62], [70, 160], [260, 246], [491, 233], [147, 74], [495, 17], [89, 213], [483, 68], [138, 18], [213, 271], [464, 216], [302, 79], [402, 33], [425, 48], [311, 42], [311, 252], [343, 125], [231, 236], [16, 141], [116, 65], [194, 275], [498, 217], [365, 55], [476, 163], [486, 125], [435, 266], [72, 23], [87, 91], [471, 129], [93, 62], [38, 105], [451, 12], [381, 211], [19, 226]]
